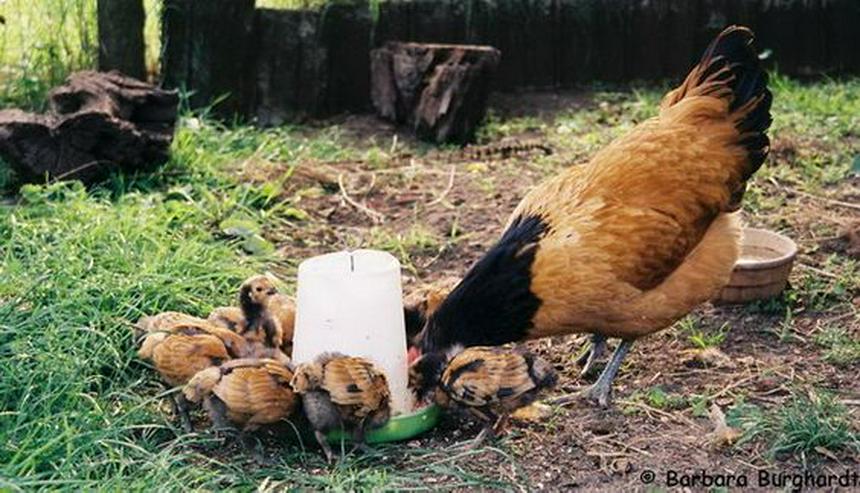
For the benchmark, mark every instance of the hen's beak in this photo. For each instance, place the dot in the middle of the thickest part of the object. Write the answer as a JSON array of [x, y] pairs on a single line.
[[412, 354]]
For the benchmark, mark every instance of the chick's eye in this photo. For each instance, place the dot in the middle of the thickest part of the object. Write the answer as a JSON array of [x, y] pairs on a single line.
[[259, 289]]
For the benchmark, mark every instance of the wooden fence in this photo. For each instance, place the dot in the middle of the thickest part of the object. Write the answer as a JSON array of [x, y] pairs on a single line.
[[276, 65]]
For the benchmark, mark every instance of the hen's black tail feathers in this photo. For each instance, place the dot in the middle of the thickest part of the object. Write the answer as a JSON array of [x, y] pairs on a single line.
[[730, 69]]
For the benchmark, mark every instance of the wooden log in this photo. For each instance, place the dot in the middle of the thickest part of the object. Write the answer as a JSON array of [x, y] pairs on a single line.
[[439, 90], [96, 123], [208, 50], [121, 45]]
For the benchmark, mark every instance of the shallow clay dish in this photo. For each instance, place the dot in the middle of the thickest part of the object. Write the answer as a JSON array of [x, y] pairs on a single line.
[[762, 271]]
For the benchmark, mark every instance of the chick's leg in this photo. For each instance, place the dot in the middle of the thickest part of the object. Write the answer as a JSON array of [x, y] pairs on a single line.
[[602, 388], [251, 444], [490, 420], [595, 352], [217, 413], [180, 408], [321, 439], [359, 440]]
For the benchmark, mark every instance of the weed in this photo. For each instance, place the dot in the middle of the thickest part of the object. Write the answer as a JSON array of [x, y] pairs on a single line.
[[802, 426], [841, 347], [701, 337]]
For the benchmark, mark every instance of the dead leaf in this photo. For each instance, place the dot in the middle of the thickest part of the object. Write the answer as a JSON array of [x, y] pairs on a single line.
[[710, 357], [533, 413], [723, 434]]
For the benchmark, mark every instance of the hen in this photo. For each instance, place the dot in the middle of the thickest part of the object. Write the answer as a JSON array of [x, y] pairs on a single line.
[[246, 392], [488, 382], [633, 240], [342, 391]]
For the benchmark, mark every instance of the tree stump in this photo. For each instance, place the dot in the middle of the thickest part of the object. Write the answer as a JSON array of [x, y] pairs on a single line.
[[121, 45], [439, 90], [208, 49], [97, 122], [292, 66]]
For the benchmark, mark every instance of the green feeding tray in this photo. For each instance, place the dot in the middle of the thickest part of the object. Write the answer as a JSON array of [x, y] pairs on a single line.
[[398, 428]]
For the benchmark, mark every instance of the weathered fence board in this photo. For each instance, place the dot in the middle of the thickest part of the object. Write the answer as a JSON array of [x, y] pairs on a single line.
[[311, 63]]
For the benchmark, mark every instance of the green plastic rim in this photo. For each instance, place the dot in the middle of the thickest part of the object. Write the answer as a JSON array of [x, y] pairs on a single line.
[[398, 428]]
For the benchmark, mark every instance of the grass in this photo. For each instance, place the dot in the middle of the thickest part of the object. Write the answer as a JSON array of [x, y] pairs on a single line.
[[841, 346], [79, 411], [77, 266], [809, 424], [42, 42]]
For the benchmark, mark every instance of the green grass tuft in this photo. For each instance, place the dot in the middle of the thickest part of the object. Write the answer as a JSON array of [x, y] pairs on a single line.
[[802, 426]]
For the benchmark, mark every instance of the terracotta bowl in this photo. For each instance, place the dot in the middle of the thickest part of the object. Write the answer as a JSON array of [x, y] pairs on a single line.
[[762, 271]]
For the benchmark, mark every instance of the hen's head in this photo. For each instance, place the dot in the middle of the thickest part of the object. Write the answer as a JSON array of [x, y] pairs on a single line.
[[425, 373]]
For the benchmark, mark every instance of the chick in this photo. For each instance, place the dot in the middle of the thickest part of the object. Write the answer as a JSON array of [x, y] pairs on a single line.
[[179, 355], [255, 297], [488, 382], [163, 321], [247, 393], [281, 307], [342, 391], [228, 317]]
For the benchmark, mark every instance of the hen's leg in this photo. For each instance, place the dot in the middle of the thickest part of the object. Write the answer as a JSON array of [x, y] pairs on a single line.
[[595, 352], [601, 389]]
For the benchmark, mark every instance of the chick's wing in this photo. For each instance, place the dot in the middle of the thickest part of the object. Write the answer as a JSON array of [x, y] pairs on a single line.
[[356, 382], [481, 376]]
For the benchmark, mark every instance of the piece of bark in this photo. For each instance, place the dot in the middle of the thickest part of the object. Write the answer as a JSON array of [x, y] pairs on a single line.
[[97, 122], [439, 90]]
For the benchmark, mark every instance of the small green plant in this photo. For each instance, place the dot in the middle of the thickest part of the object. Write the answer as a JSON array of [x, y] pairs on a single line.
[[658, 398], [701, 337], [841, 347], [801, 426]]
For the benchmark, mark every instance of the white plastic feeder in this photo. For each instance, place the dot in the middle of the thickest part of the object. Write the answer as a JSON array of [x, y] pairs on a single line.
[[351, 302]]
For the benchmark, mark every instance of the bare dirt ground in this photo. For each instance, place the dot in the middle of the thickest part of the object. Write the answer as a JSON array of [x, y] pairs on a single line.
[[440, 210]]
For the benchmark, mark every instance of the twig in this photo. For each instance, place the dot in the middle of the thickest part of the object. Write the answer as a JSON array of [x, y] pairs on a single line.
[[818, 271], [847, 205], [448, 188], [77, 170], [733, 385], [375, 216], [671, 416]]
